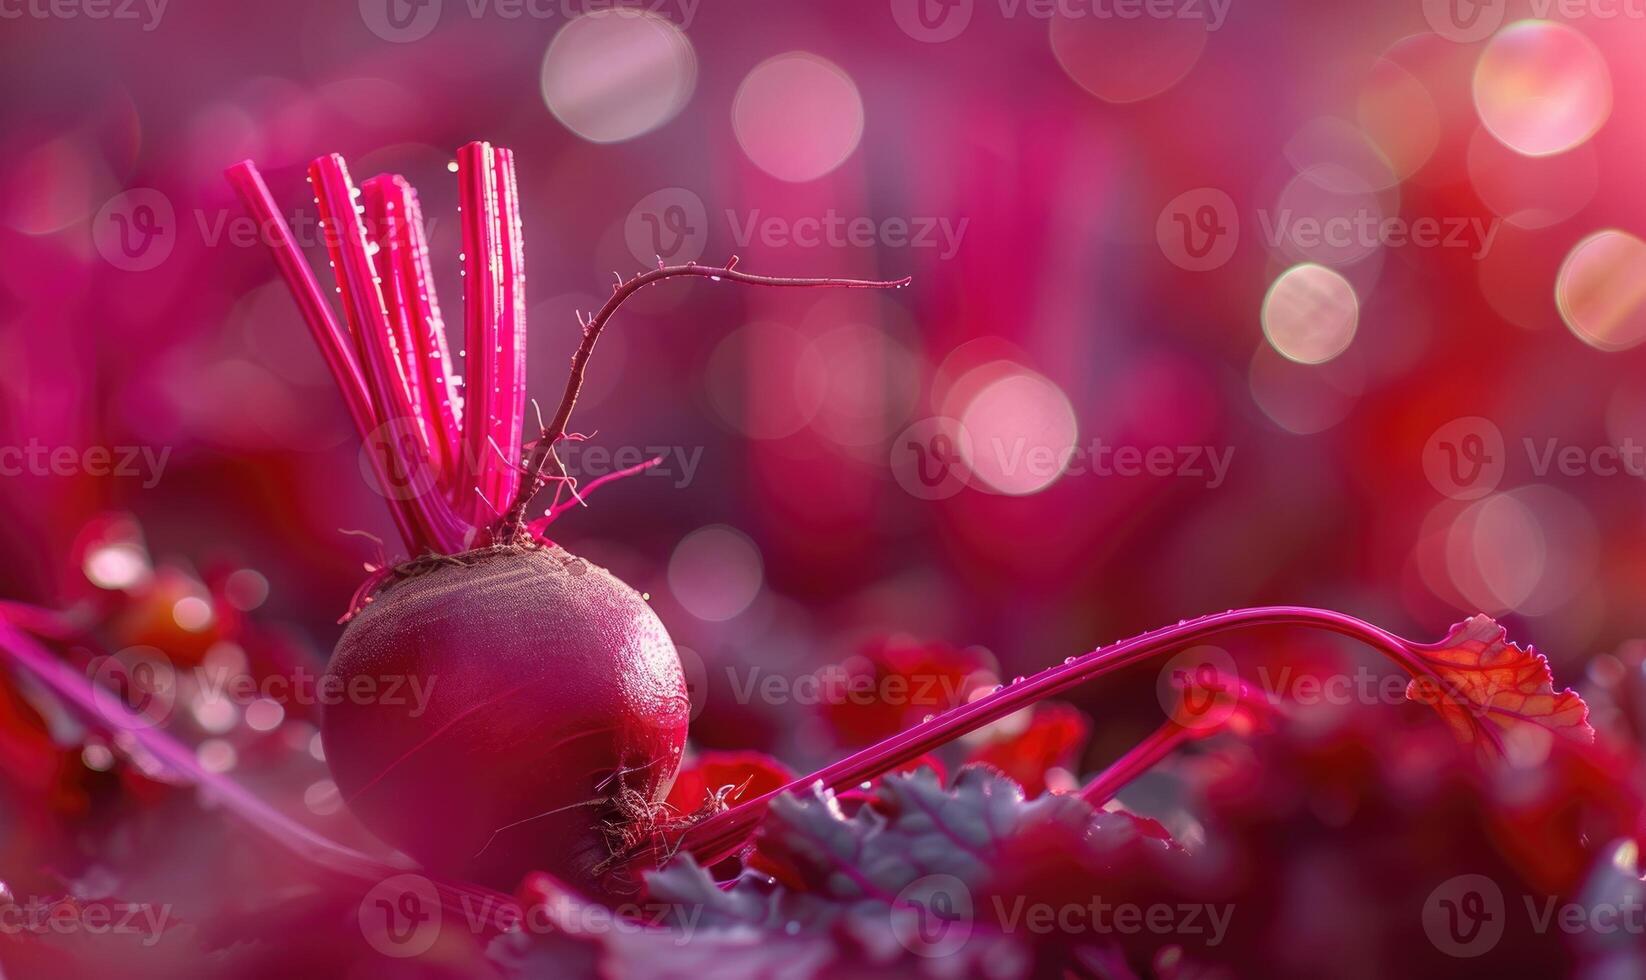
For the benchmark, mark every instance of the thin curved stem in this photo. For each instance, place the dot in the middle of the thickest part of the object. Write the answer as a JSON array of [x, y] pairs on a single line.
[[542, 454]]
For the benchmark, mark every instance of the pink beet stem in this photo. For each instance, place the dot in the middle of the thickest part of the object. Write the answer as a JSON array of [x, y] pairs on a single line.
[[725, 833], [482, 329], [406, 456], [1161, 743], [109, 713], [384, 221], [510, 354], [444, 404], [334, 344]]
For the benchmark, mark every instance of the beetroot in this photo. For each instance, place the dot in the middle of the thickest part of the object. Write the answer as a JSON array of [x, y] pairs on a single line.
[[555, 710], [550, 685]]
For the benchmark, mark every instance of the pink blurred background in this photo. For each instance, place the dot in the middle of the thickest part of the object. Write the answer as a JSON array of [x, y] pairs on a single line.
[[1120, 230]]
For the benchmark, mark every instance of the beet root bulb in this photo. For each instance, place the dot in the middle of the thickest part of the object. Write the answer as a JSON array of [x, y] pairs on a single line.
[[503, 711]]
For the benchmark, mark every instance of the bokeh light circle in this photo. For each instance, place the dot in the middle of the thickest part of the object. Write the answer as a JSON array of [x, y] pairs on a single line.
[[1542, 87], [871, 384], [797, 116], [1324, 219], [1310, 314], [614, 74], [716, 572], [765, 380], [1127, 59], [1022, 432], [1601, 290], [1302, 398], [1530, 550], [1531, 192], [1399, 116]]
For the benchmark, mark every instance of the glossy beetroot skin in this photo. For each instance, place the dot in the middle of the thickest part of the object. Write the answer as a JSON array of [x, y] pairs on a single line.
[[550, 686]]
